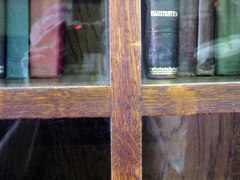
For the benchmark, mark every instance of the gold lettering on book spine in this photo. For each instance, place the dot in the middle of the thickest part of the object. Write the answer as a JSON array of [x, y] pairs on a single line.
[[163, 70], [164, 13]]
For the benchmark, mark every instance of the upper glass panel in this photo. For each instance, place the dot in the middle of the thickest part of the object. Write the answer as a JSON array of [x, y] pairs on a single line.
[[62, 40], [190, 41]]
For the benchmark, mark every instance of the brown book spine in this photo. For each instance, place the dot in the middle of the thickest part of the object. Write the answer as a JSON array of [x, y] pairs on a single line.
[[46, 37], [205, 54], [187, 37]]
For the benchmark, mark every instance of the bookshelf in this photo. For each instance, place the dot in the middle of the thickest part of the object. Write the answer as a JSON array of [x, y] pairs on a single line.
[[126, 99]]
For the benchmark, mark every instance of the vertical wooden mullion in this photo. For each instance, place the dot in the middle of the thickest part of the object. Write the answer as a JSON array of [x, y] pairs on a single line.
[[125, 58]]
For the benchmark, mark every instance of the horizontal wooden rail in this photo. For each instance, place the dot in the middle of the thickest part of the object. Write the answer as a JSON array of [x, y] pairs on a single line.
[[94, 101], [54, 102], [187, 99]]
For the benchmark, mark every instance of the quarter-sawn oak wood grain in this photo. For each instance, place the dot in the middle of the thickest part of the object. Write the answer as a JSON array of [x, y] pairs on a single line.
[[54, 102], [187, 99], [125, 59]]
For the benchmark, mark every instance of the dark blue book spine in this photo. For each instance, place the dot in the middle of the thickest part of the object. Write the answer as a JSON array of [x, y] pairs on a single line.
[[17, 38], [162, 38], [2, 38]]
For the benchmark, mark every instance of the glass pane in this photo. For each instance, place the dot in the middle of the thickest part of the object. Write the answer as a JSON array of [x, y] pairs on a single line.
[[191, 147], [190, 41], [61, 41], [55, 149]]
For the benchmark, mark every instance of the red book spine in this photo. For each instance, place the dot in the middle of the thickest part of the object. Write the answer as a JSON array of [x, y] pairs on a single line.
[[46, 38]]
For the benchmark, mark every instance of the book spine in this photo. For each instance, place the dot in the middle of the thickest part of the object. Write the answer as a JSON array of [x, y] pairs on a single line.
[[2, 38], [227, 34], [17, 38], [205, 54], [188, 15], [144, 40], [162, 38], [46, 37]]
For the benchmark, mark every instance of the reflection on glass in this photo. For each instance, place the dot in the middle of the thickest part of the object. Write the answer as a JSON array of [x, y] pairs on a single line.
[[55, 149], [207, 38], [191, 147], [168, 142], [54, 39], [85, 39]]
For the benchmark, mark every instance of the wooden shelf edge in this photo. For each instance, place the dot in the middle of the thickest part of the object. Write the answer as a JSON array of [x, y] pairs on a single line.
[[189, 99], [55, 102]]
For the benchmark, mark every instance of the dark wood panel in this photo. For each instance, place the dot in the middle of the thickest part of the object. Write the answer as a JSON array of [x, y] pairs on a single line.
[[125, 59], [191, 147], [235, 145], [55, 149], [54, 102], [187, 99]]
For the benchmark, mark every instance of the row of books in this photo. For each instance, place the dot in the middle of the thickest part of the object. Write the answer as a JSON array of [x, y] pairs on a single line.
[[43, 38], [42, 46], [191, 37]]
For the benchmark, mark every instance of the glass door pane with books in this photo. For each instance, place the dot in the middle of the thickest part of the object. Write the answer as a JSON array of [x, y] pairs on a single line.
[[54, 41], [55, 149], [204, 146], [190, 40]]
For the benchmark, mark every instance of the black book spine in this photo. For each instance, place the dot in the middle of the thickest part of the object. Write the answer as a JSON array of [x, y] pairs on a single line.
[[162, 38]]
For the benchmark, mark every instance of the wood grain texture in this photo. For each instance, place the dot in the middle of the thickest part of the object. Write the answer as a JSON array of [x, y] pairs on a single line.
[[192, 147], [193, 80], [54, 102], [187, 99], [125, 59]]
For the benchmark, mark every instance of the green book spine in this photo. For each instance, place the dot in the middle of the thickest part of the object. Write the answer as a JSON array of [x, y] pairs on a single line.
[[17, 17], [227, 38], [2, 38]]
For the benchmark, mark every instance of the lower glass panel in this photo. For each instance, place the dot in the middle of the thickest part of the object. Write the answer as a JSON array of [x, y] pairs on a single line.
[[55, 149], [191, 147]]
